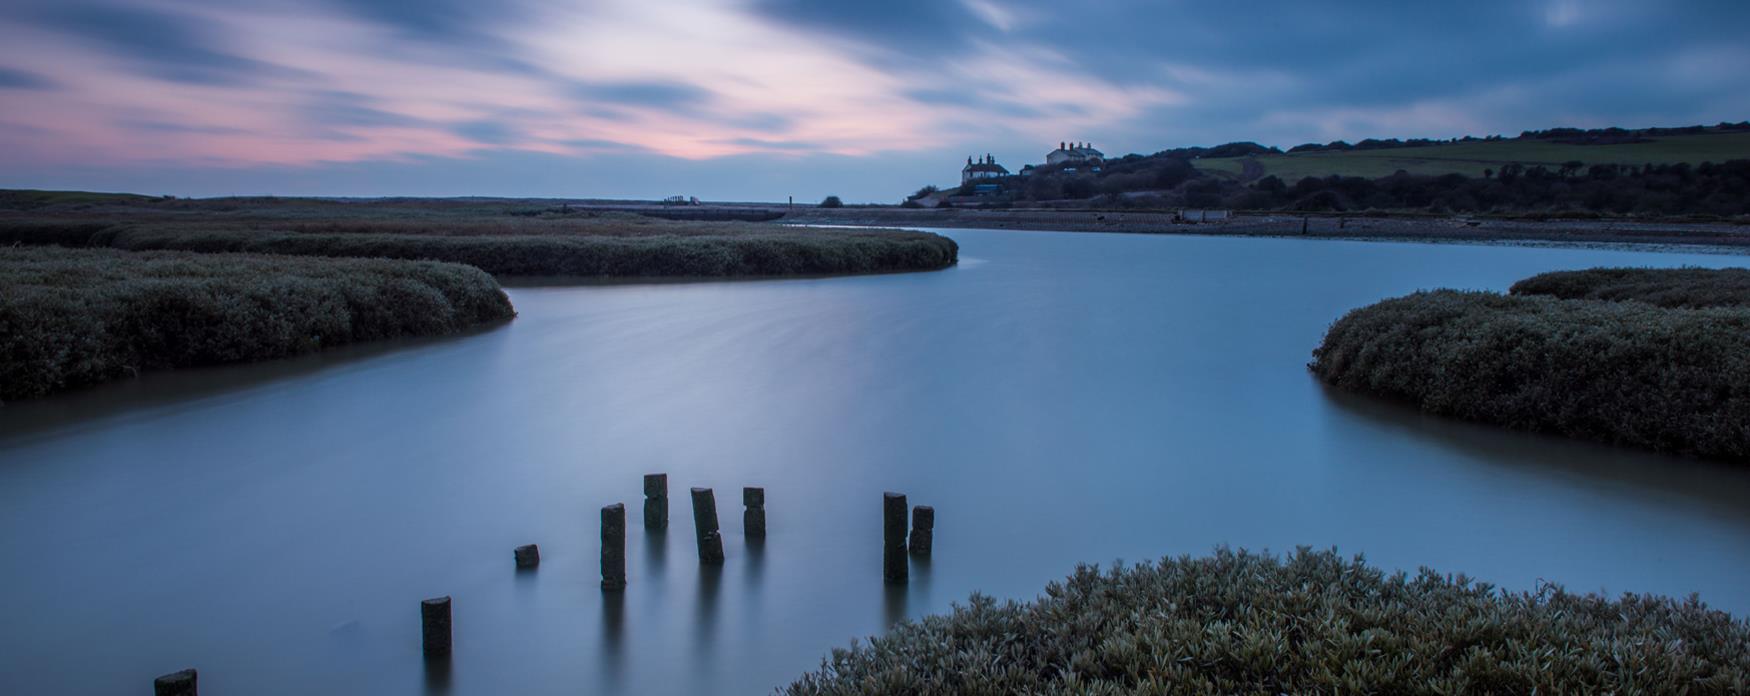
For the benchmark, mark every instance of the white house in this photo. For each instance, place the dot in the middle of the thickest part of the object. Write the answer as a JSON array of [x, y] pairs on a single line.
[[1076, 155], [983, 168]]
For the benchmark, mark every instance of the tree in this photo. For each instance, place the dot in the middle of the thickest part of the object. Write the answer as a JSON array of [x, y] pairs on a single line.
[[925, 191], [832, 202]]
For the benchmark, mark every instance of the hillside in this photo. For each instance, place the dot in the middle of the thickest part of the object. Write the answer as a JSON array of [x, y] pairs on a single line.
[[1472, 158]]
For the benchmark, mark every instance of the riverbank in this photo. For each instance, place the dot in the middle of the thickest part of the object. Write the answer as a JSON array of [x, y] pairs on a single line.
[[75, 317], [502, 237], [1313, 622], [1656, 359], [1718, 236]]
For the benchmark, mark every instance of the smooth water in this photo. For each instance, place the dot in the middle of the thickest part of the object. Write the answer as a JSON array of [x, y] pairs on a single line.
[[1059, 398]]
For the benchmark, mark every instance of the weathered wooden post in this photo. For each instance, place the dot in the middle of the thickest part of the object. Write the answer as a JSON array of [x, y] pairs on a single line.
[[656, 501], [527, 556], [705, 526], [894, 567], [614, 547], [923, 530], [1303, 225], [434, 619], [183, 683], [753, 520]]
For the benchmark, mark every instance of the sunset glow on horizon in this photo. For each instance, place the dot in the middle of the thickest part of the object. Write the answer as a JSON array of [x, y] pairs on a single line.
[[196, 96]]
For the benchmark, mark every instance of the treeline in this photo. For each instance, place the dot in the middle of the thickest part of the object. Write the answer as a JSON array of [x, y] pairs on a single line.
[[1721, 189], [1613, 136], [1652, 189]]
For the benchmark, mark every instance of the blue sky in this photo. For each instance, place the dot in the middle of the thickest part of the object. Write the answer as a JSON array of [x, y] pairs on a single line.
[[759, 100]]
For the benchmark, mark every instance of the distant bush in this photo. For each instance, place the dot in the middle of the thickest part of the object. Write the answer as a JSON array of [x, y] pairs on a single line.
[[1629, 373], [1312, 623], [692, 249], [832, 202], [72, 317], [1691, 288]]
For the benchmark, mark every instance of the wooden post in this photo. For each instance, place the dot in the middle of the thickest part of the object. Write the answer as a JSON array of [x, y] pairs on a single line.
[[753, 520], [614, 547], [183, 683], [705, 526], [527, 556], [923, 530], [1303, 225], [894, 567], [434, 619], [656, 501]]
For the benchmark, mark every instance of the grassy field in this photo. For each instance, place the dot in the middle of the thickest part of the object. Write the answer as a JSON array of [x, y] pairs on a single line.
[[1473, 157], [1311, 623], [73, 317], [1651, 359], [511, 238]]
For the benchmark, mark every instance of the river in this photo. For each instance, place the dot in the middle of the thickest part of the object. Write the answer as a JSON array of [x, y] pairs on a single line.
[[1058, 398]]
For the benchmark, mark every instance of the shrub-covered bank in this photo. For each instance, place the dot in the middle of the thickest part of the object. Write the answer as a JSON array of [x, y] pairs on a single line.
[[1630, 373], [1313, 622], [504, 240], [72, 317], [778, 251], [1666, 287]]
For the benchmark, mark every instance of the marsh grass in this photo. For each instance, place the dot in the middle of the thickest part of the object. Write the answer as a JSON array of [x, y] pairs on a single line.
[[1622, 372], [1313, 622], [73, 317]]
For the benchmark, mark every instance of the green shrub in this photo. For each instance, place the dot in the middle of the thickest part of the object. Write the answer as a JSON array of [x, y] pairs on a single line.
[[72, 317], [1666, 287], [1630, 373], [1313, 623]]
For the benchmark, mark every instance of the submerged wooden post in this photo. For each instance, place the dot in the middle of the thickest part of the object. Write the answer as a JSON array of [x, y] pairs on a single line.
[[183, 683], [753, 520], [893, 563], [705, 526], [527, 556], [923, 530], [434, 620], [614, 547], [656, 501]]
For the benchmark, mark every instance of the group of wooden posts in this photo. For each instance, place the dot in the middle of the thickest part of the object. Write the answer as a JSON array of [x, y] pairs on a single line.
[[434, 613]]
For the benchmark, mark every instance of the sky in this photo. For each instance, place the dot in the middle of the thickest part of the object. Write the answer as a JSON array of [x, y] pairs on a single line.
[[760, 100]]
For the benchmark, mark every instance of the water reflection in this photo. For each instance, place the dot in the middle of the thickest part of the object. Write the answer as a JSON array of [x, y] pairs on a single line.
[[893, 601], [1073, 398], [705, 617], [437, 675], [655, 552], [613, 660], [1569, 462]]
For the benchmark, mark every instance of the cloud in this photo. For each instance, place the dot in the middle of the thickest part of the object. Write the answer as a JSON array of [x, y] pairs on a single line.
[[19, 79], [865, 97], [171, 46]]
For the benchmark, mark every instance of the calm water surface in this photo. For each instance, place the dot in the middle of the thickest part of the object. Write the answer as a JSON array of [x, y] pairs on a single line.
[[1059, 398]]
